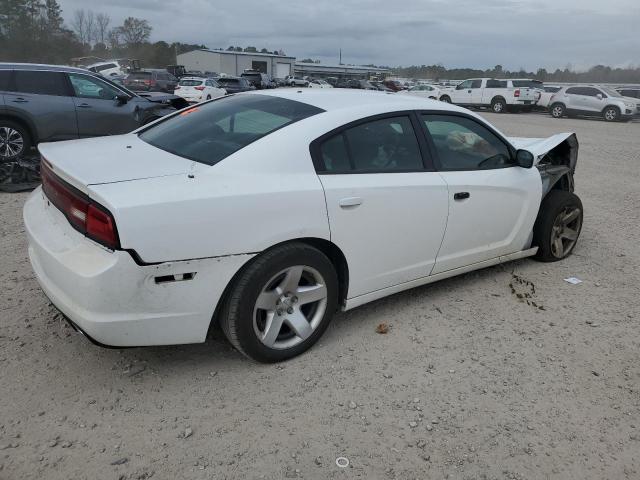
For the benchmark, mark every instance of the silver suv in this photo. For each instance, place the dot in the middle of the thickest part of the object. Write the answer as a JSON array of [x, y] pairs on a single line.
[[591, 101], [41, 103]]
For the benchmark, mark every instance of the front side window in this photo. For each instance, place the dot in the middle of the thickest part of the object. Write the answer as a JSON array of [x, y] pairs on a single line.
[[464, 85], [210, 132], [385, 145], [40, 82], [90, 87], [463, 144]]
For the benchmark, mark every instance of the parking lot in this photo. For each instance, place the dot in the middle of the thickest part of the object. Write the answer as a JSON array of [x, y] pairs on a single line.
[[470, 382]]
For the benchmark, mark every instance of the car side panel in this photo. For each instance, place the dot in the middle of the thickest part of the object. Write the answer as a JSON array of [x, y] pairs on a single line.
[[54, 116]]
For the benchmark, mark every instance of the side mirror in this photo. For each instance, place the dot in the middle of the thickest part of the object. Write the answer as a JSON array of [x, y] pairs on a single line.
[[524, 158], [121, 99], [599, 96]]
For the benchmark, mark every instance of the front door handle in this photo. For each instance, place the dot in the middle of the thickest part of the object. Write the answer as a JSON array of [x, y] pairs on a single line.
[[20, 100], [461, 195], [350, 202], [84, 105]]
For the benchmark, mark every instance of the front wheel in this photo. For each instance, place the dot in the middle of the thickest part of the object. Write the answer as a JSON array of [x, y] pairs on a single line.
[[445, 99], [611, 114], [281, 303], [558, 225]]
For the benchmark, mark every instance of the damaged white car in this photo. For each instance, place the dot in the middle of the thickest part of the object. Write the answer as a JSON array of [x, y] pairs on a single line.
[[270, 211]]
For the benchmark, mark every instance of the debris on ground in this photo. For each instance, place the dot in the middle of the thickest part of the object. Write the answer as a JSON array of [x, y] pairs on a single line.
[[20, 175], [573, 280], [382, 328]]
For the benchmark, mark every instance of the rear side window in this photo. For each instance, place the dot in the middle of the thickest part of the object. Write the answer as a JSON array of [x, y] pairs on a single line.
[[40, 82], [139, 75], [496, 84], [463, 144], [528, 83], [385, 145], [106, 66], [211, 132], [5, 76], [576, 91]]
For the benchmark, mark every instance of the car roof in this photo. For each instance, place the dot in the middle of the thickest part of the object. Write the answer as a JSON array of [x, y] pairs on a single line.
[[341, 99], [42, 66]]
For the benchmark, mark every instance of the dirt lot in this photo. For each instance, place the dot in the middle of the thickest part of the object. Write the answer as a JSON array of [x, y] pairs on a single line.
[[469, 383]]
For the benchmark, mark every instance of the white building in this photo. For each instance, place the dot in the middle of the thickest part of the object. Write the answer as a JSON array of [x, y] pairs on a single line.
[[234, 63]]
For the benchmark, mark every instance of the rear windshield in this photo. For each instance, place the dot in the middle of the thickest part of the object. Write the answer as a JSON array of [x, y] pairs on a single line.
[[190, 83], [211, 132], [228, 80], [528, 83], [139, 75]]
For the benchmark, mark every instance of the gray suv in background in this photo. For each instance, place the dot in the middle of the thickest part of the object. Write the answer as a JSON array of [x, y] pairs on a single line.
[[592, 101], [40, 103]]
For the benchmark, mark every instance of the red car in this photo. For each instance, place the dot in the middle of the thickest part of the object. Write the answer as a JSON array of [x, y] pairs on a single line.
[[394, 85]]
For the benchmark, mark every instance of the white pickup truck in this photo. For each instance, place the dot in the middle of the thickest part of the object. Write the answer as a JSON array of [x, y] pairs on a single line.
[[499, 95]]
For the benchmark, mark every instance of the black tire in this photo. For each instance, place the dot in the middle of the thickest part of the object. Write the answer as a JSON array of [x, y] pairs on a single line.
[[545, 232], [445, 99], [237, 314], [208, 97], [611, 114], [557, 110], [498, 105], [527, 109], [17, 134]]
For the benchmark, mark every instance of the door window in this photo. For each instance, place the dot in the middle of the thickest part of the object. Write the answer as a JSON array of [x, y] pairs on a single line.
[[40, 82], [463, 144], [89, 87], [476, 83], [464, 85], [384, 145]]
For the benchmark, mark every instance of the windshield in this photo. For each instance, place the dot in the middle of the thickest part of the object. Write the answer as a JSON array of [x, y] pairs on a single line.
[[610, 92], [211, 132], [139, 75]]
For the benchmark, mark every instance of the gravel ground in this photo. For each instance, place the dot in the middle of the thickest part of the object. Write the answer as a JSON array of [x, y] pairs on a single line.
[[469, 382]]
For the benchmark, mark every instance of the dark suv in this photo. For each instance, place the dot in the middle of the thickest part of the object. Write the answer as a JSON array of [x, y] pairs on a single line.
[[40, 103], [235, 84], [151, 81], [257, 79]]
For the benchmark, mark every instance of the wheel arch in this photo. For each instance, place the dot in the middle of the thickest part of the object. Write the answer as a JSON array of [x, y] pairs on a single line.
[[330, 249], [498, 97]]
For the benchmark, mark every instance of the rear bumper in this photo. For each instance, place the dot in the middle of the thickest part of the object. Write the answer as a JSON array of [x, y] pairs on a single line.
[[113, 300]]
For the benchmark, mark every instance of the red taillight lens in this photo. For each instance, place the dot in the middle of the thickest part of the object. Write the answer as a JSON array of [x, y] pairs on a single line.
[[516, 93], [199, 88], [85, 215]]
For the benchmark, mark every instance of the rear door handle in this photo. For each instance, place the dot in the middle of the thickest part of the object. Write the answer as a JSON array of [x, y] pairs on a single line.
[[20, 100], [350, 202], [461, 195], [84, 105]]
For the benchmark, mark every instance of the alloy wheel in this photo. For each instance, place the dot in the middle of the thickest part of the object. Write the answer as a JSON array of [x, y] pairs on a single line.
[[610, 114], [11, 142], [565, 231], [290, 307], [498, 107], [557, 111]]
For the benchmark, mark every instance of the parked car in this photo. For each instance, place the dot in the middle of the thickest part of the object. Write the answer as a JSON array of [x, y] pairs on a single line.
[[234, 84], [150, 81], [545, 97], [109, 69], [424, 91], [146, 238], [198, 89], [499, 95], [393, 85], [257, 79], [317, 83], [44, 103], [292, 81], [380, 86], [592, 101], [631, 92]]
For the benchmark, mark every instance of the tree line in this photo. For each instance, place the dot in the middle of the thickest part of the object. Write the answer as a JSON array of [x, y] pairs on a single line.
[[35, 31]]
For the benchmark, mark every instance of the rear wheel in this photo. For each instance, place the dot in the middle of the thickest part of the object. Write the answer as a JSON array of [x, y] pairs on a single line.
[[558, 225], [498, 105], [611, 114], [14, 140], [445, 99], [281, 303], [557, 110]]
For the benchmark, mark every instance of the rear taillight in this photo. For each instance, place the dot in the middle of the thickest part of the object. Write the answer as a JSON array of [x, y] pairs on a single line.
[[516, 93], [86, 216], [199, 88]]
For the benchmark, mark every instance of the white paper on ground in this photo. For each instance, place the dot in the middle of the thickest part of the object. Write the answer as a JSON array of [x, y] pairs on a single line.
[[573, 280]]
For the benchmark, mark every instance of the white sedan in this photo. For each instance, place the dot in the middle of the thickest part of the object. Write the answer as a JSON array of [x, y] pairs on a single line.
[[197, 89], [270, 211], [423, 91]]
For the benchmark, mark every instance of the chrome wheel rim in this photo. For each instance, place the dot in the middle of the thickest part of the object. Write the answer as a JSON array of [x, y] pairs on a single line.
[[565, 231], [557, 111], [290, 307], [497, 107], [610, 114], [11, 142]]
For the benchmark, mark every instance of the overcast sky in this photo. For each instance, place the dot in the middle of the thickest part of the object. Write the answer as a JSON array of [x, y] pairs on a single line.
[[456, 33]]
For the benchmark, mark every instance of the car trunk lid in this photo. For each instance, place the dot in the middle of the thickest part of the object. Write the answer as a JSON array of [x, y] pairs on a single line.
[[112, 159]]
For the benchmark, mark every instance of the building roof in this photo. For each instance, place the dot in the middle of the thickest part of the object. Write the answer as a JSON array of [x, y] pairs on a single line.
[[225, 52], [343, 67]]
